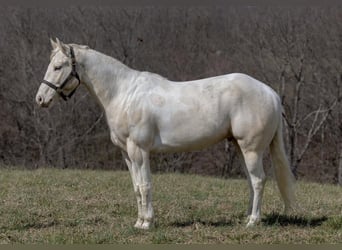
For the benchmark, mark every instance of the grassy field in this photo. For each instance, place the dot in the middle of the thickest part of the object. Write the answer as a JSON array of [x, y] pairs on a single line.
[[81, 206]]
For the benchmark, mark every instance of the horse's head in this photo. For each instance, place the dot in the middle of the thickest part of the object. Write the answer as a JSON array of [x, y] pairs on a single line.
[[61, 78]]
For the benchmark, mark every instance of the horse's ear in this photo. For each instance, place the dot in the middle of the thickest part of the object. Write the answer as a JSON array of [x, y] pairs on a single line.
[[53, 43], [63, 47]]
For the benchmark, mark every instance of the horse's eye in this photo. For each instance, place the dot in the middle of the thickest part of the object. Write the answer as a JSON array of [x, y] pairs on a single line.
[[57, 68]]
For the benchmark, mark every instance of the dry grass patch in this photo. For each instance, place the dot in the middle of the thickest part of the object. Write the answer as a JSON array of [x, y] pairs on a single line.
[[81, 206]]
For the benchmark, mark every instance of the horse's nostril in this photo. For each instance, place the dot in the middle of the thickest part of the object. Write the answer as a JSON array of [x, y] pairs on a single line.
[[39, 100]]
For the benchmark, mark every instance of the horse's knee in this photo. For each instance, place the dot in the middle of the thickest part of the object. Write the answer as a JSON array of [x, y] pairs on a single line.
[[145, 192], [137, 191]]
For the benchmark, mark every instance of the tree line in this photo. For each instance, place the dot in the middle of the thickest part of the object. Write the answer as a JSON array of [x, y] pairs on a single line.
[[297, 51]]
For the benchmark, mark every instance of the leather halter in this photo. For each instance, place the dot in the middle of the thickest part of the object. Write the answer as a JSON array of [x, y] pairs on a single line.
[[73, 73]]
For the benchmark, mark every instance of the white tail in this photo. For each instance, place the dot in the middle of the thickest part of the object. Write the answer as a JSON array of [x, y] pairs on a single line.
[[283, 174]]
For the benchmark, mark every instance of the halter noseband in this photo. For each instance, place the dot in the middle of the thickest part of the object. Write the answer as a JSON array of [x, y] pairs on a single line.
[[73, 73]]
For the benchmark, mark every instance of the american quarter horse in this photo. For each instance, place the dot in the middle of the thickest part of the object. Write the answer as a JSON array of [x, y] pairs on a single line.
[[148, 113]]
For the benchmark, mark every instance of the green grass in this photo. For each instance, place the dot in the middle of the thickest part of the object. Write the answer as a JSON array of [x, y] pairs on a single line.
[[82, 206]]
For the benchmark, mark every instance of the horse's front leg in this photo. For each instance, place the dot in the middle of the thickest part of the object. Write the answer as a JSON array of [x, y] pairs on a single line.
[[140, 164], [133, 173]]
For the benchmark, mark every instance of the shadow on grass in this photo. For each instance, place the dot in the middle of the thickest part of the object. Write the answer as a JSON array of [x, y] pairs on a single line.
[[273, 219], [291, 220], [29, 225]]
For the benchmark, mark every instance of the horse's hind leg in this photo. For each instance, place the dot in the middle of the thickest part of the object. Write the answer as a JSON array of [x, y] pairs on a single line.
[[255, 171], [251, 191]]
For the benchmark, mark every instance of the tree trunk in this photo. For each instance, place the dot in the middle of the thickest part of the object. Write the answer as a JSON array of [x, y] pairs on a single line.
[[340, 168]]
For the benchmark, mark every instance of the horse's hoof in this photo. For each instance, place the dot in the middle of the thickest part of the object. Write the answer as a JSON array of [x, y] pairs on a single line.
[[143, 224], [146, 225], [252, 222], [139, 223]]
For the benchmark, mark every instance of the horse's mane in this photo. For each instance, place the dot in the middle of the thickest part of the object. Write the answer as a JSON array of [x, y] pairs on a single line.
[[79, 46], [54, 51]]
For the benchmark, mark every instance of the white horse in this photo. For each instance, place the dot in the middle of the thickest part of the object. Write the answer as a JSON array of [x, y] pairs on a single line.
[[147, 113]]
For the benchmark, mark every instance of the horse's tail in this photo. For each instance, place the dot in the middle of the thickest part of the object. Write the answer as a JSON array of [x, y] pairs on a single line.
[[283, 174]]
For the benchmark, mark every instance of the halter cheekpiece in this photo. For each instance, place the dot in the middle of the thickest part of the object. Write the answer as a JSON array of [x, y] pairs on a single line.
[[73, 73]]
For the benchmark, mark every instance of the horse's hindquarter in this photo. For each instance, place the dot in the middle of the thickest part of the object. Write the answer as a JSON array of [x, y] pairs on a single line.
[[256, 113]]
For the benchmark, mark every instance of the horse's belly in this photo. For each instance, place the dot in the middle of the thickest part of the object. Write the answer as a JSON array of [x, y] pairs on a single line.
[[190, 138], [185, 146]]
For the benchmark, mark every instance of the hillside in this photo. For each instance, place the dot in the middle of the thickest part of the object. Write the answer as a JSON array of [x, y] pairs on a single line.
[[83, 206]]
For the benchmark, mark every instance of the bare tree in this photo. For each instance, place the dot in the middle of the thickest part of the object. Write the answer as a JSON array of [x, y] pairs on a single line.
[[296, 51]]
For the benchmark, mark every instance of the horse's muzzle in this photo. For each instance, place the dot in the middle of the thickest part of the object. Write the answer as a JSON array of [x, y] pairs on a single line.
[[41, 102]]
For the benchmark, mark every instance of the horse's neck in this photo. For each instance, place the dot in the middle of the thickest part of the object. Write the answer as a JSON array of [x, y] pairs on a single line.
[[104, 76]]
